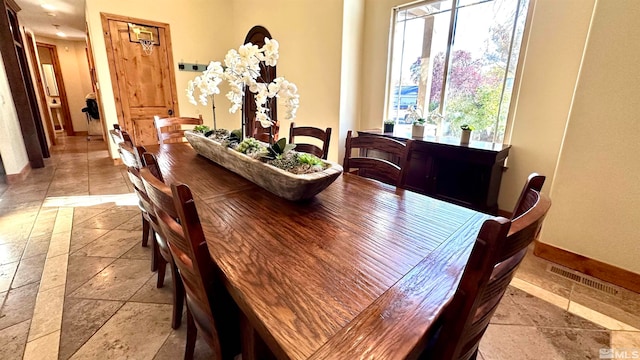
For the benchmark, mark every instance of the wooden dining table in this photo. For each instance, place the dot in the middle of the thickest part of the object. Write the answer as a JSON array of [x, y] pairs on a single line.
[[362, 270]]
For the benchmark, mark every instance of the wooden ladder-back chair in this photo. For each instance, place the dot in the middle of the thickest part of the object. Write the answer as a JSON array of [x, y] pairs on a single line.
[[131, 158], [373, 167], [210, 309], [532, 187], [160, 255], [170, 130], [322, 135], [500, 247]]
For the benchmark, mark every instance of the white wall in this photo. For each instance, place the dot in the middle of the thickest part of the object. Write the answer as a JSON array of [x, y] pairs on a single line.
[[596, 192], [12, 149], [75, 74]]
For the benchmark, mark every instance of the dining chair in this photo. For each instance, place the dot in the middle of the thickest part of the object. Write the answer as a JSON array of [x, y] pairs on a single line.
[[211, 311], [170, 130], [130, 157], [499, 248], [528, 196], [263, 134], [377, 157], [322, 135], [160, 253]]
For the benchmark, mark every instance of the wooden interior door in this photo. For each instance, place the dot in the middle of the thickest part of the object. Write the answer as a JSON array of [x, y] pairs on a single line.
[[143, 84]]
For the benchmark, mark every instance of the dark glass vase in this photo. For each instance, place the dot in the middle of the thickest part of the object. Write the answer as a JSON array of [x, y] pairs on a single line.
[[388, 128]]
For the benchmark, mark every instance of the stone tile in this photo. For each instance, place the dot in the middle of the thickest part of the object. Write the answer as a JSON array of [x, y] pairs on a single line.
[[29, 271], [7, 272], [625, 340], [54, 272], [605, 321], [135, 223], [83, 268], [544, 314], [80, 237], [118, 281], [13, 340], [136, 328], [534, 271], [85, 213], [113, 244], [501, 342], [541, 293], [47, 314], [64, 220], [9, 236], [173, 348], [37, 245], [109, 219], [138, 251], [11, 252], [81, 319], [18, 305], [577, 344], [59, 244], [625, 306], [508, 312], [44, 348], [149, 293]]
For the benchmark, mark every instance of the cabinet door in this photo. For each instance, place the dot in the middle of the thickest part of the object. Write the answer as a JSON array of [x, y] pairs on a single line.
[[460, 181], [419, 170]]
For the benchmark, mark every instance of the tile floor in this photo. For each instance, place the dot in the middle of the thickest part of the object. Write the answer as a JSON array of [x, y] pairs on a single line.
[[76, 284]]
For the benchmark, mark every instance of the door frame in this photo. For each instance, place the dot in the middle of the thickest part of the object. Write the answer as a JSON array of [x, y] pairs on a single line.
[[64, 101], [105, 17], [46, 116]]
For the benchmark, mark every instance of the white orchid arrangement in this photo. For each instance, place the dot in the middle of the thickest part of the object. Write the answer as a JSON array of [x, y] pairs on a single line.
[[242, 70]]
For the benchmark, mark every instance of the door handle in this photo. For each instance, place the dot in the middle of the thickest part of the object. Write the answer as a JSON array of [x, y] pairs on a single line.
[[170, 112]]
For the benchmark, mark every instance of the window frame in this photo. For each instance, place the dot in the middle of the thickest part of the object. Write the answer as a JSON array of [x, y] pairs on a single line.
[[454, 8]]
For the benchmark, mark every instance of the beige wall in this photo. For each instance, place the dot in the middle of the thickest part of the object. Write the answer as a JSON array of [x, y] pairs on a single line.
[[12, 149], [350, 96], [556, 42], [596, 192], [199, 30], [75, 73], [310, 37]]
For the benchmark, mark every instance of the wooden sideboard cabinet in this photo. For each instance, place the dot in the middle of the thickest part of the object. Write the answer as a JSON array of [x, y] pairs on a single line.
[[467, 175]]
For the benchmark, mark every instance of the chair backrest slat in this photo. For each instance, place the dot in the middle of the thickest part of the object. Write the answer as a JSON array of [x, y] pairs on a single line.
[[170, 130], [367, 165], [322, 135]]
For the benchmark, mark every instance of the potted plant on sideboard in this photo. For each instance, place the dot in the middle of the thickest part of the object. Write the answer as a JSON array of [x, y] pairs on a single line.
[[388, 125], [466, 134]]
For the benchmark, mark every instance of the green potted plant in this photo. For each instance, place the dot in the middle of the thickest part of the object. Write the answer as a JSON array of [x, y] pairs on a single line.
[[466, 134], [388, 125], [415, 116]]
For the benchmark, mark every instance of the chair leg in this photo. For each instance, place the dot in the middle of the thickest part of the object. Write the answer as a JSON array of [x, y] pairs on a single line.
[[162, 269], [145, 231], [192, 333], [178, 297], [155, 253]]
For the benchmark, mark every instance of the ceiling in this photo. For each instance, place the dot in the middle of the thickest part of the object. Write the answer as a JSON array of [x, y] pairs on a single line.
[[68, 14]]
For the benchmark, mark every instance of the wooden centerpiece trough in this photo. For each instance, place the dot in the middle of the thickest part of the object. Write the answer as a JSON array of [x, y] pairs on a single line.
[[280, 182]]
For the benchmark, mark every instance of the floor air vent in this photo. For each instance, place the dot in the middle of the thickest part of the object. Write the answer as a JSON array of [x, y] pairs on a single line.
[[583, 279]]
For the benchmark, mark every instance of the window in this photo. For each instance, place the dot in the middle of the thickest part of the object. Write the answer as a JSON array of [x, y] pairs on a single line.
[[460, 63]]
